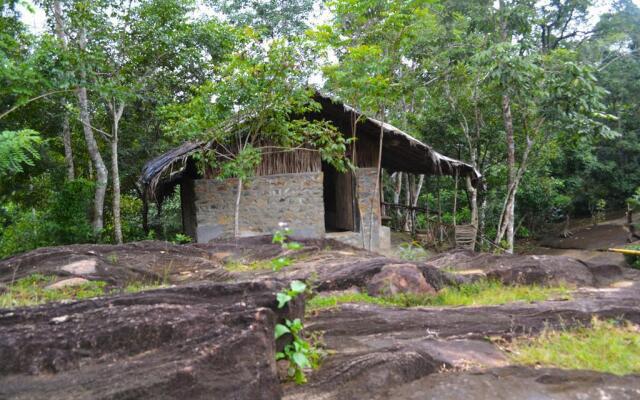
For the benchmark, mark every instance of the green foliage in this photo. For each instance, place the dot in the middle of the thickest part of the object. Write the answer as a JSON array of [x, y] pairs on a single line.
[[633, 261], [32, 290], [254, 106], [64, 219], [281, 236], [166, 222], [18, 149], [472, 294], [300, 353], [25, 232], [280, 262], [634, 201], [271, 17], [605, 346], [296, 288], [68, 213], [181, 238]]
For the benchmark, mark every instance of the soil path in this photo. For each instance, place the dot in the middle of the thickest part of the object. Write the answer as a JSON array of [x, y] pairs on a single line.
[[588, 242]]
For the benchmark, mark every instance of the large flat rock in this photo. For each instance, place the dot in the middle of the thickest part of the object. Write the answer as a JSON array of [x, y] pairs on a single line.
[[150, 261], [209, 341], [528, 269], [376, 349], [520, 383]]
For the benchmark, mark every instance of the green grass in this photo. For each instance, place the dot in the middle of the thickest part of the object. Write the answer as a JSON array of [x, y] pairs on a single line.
[[605, 346], [237, 266], [135, 287], [473, 294], [30, 291]]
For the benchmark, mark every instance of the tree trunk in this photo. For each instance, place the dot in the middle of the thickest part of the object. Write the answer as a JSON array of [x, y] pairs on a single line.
[[116, 112], [236, 214], [407, 202], [66, 131], [414, 202], [397, 190], [375, 197], [455, 200], [92, 148], [440, 230], [66, 141], [482, 212], [473, 205], [507, 221]]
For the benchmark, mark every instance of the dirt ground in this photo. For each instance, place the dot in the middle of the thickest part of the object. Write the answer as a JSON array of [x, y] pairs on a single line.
[[588, 242]]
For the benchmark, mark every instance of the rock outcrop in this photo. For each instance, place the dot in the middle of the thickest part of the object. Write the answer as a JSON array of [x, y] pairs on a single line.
[[396, 279], [197, 342], [532, 269]]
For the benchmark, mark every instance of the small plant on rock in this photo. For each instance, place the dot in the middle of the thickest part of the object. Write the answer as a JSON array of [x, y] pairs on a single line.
[[181, 238], [300, 353], [281, 236]]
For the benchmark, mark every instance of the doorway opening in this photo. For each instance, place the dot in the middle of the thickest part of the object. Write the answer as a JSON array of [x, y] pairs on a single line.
[[341, 212]]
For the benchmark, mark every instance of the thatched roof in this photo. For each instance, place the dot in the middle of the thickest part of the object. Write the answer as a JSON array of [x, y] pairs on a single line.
[[400, 152]]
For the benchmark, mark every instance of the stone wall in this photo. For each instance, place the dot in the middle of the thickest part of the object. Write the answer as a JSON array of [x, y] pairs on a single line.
[[265, 201]]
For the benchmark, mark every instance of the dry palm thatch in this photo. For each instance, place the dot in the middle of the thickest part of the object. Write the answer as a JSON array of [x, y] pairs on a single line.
[[401, 152]]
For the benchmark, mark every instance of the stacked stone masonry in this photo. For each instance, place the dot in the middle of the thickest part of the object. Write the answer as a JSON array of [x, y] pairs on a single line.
[[296, 199], [265, 202]]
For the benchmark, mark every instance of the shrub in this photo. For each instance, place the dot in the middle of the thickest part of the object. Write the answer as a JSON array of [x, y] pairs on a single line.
[[63, 219], [68, 213], [633, 261]]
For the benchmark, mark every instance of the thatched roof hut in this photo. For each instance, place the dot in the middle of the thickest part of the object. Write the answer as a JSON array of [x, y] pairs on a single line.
[[401, 152]]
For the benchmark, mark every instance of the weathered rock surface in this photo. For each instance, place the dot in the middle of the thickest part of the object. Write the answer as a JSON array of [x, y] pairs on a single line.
[[215, 340], [151, 261], [328, 264], [532, 269], [394, 279], [69, 282], [518, 383], [378, 349], [202, 341]]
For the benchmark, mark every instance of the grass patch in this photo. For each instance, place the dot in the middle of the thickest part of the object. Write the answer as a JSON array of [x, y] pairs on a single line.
[[472, 294], [135, 287], [30, 291], [238, 266], [605, 346]]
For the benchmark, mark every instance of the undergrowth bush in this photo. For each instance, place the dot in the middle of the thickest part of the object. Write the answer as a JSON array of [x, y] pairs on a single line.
[[633, 261], [64, 218]]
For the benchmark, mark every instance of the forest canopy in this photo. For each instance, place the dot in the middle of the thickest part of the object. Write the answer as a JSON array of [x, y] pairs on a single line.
[[541, 97]]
